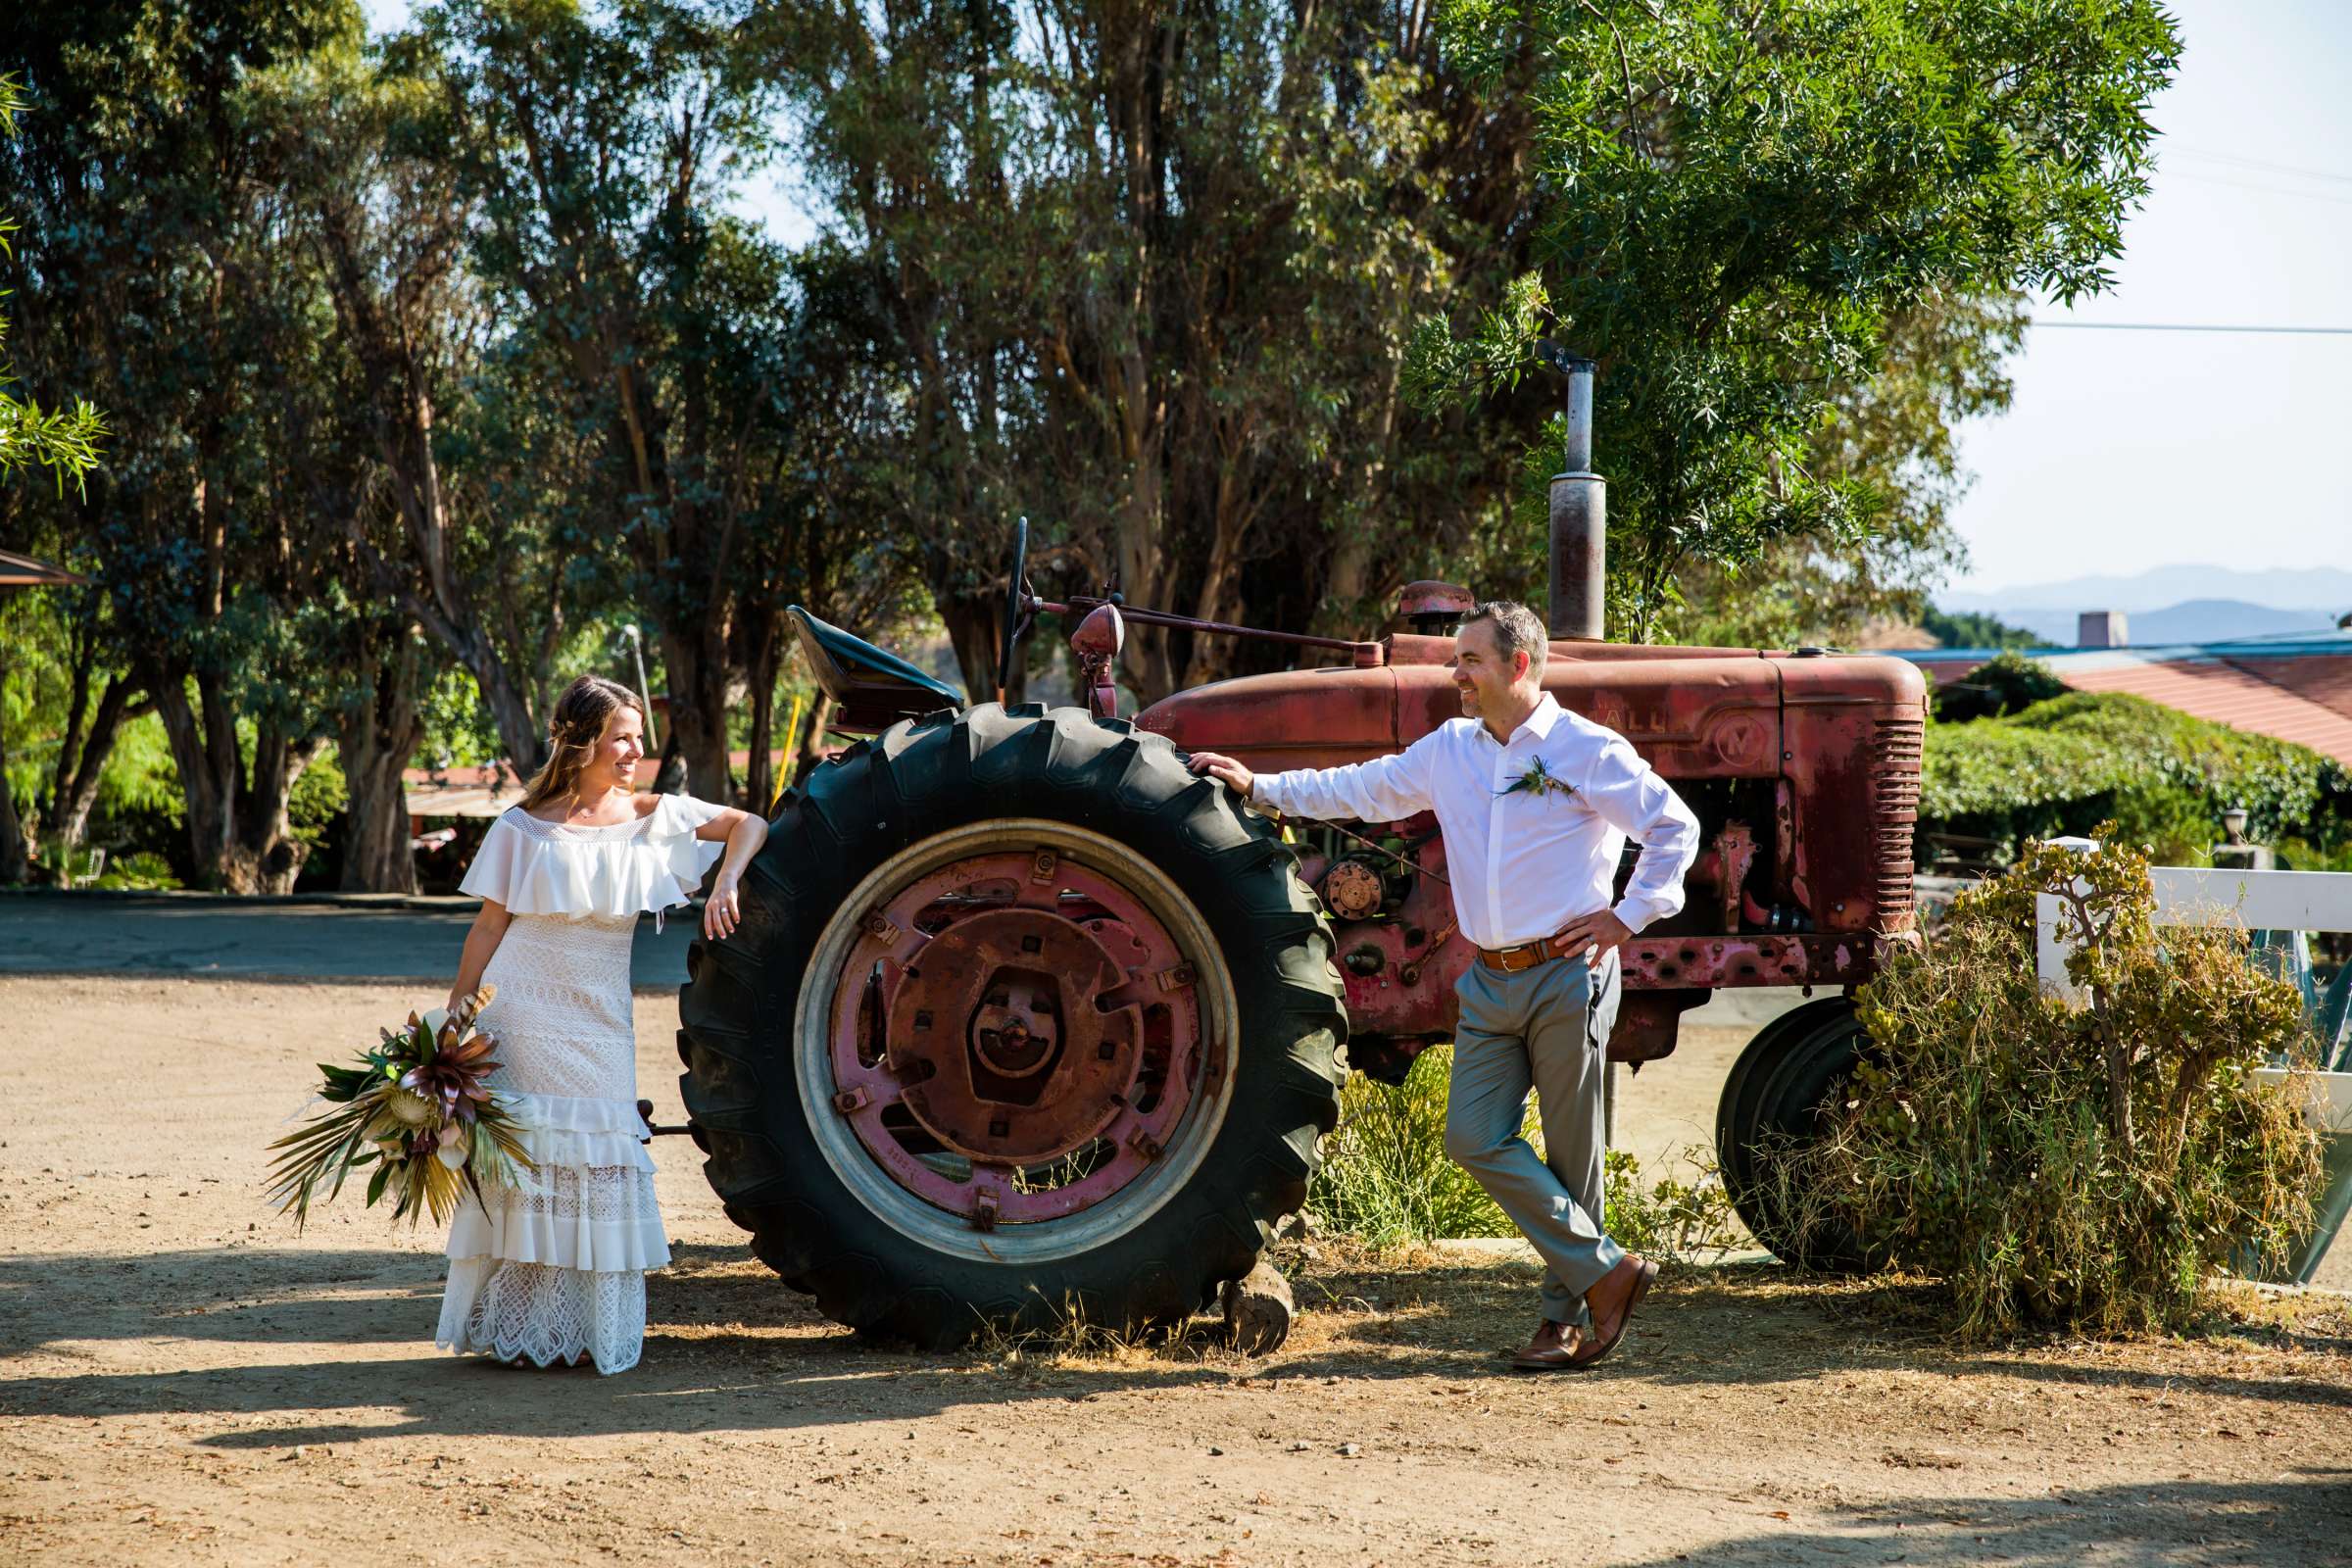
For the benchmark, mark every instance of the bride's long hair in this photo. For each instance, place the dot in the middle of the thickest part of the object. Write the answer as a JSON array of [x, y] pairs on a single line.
[[581, 714]]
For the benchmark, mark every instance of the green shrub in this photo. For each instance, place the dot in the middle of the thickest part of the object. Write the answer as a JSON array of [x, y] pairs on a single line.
[[1669, 1219], [143, 870], [2009, 683], [2088, 1169], [1385, 1176], [2162, 776], [1387, 1179]]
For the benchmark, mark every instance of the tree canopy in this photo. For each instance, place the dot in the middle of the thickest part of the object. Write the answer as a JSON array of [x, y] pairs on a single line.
[[1739, 212], [438, 363]]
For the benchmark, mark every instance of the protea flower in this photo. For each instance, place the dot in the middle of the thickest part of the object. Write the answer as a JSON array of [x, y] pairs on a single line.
[[404, 1109]]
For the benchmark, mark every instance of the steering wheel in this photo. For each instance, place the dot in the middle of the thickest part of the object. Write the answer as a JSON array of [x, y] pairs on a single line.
[[1016, 618]]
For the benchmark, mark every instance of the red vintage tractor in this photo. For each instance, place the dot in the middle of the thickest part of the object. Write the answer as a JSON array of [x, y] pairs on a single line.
[[1026, 1020]]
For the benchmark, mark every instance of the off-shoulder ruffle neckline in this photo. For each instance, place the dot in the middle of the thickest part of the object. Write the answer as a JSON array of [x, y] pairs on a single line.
[[591, 830], [650, 864]]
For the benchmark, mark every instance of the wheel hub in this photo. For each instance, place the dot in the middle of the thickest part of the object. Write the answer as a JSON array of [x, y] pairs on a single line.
[[1015, 1035], [1050, 1041]]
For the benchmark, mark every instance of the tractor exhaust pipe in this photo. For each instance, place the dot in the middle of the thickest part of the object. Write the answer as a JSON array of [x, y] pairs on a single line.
[[1580, 513]]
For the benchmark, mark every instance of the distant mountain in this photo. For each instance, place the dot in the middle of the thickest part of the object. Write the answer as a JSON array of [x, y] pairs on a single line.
[[2199, 620], [2314, 588]]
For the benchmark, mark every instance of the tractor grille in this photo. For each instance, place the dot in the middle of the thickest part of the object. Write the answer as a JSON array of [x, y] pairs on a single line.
[[1894, 759]]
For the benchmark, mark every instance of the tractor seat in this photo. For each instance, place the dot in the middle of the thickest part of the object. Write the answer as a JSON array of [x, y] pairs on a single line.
[[871, 689]]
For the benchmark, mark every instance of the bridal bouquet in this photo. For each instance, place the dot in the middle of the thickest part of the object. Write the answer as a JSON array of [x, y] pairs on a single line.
[[417, 1110]]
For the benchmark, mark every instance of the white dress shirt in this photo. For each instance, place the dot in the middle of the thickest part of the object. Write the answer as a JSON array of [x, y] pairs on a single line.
[[1522, 863]]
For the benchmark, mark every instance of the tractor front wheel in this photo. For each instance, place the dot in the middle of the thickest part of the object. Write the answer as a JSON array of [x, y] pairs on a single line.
[[1025, 1024]]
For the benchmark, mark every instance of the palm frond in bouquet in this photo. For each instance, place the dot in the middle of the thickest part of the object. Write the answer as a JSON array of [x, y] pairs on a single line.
[[418, 1109]]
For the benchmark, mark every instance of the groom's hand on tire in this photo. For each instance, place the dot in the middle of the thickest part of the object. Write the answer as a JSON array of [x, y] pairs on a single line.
[[1232, 774]]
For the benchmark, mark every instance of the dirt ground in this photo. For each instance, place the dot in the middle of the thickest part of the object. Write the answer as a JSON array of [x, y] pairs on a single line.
[[185, 1380]]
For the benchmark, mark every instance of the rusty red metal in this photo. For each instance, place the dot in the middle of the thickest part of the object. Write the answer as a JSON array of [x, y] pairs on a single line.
[[1098, 641], [1026, 1015], [1352, 890], [1804, 771]]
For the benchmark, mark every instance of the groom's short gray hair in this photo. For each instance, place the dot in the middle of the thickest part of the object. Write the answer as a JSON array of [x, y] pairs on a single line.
[[1516, 630]]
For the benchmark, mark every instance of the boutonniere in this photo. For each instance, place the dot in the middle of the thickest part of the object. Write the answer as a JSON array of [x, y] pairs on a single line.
[[1536, 780]]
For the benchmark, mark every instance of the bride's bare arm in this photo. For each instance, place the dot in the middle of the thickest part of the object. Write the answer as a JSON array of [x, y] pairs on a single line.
[[481, 941], [742, 833]]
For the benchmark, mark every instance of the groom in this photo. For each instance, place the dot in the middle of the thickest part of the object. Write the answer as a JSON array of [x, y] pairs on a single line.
[[1536, 804]]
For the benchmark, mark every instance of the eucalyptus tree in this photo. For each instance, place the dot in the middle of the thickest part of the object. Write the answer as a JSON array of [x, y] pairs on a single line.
[[1149, 270], [451, 547], [1894, 437], [1737, 205], [596, 147], [156, 276]]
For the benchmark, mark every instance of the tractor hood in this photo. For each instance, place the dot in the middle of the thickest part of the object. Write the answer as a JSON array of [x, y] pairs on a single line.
[[1694, 713]]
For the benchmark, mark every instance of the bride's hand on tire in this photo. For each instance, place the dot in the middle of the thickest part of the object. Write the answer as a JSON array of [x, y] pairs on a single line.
[[722, 911]]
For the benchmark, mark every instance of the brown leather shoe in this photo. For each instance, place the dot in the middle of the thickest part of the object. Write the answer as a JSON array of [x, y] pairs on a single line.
[[1553, 1349], [1612, 1299]]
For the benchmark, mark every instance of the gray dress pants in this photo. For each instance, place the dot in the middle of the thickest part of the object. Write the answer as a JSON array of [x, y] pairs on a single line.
[[1545, 1028]]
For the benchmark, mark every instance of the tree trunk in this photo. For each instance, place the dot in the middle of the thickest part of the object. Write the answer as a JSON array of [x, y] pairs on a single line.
[[266, 857], [15, 863], [79, 776], [698, 714], [760, 772], [811, 748], [374, 740], [972, 621], [518, 730], [203, 809], [239, 838]]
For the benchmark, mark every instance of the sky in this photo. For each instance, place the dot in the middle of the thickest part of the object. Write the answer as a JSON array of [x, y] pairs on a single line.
[[2129, 450]]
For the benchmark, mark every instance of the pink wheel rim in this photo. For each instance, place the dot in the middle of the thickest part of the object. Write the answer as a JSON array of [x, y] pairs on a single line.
[[1015, 1037]]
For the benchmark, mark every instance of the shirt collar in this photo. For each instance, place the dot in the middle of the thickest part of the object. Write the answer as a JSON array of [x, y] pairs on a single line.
[[1537, 723]]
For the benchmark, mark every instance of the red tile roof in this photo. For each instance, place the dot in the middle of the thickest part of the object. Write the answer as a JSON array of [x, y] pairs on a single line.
[[2296, 688], [2253, 694]]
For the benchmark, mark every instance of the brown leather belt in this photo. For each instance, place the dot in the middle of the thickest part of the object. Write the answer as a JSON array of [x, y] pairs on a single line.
[[1526, 955]]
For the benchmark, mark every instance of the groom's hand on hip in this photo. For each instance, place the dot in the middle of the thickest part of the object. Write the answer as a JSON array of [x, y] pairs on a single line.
[[1231, 773], [1595, 936]]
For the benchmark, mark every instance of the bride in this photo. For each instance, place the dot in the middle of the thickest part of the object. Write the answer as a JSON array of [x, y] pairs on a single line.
[[552, 1269]]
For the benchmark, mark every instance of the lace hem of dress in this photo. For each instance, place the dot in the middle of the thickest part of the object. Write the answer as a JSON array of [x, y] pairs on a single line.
[[532, 1313]]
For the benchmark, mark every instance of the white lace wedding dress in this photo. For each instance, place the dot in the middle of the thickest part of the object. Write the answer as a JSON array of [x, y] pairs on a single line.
[[554, 1266]]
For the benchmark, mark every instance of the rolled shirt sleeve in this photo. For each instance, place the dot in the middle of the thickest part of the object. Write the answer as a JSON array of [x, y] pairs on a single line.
[[1386, 789], [1632, 798]]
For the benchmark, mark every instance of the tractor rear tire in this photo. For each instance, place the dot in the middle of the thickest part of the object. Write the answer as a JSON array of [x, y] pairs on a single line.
[[792, 1027], [1783, 1094]]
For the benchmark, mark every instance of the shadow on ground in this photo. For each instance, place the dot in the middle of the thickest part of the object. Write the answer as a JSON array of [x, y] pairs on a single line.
[[2185, 1522], [730, 1346]]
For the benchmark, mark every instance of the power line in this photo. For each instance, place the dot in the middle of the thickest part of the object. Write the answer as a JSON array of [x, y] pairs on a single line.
[[2195, 326], [2266, 190], [2265, 167]]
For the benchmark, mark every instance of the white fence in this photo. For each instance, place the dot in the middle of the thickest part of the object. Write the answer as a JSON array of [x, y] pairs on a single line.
[[2259, 900]]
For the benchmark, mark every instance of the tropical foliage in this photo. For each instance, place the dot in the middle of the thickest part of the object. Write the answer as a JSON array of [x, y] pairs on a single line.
[[417, 1110]]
